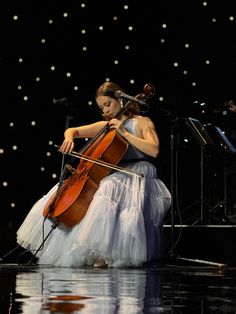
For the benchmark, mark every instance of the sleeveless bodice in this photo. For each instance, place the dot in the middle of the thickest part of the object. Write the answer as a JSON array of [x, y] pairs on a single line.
[[132, 152]]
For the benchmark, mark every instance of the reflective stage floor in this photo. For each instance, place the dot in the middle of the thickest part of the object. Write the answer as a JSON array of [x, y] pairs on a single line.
[[200, 279], [167, 289]]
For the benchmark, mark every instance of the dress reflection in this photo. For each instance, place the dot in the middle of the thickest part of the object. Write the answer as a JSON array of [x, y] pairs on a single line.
[[64, 290]]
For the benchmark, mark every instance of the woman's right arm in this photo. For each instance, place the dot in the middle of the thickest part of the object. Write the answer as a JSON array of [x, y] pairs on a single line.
[[84, 131]]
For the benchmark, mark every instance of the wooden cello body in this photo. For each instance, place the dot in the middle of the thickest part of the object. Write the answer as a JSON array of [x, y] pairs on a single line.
[[70, 202], [78, 190]]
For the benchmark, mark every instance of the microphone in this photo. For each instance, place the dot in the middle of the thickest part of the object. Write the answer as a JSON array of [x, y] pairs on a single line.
[[120, 94], [60, 101]]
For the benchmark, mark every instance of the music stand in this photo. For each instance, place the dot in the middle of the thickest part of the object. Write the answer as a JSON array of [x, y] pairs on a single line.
[[199, 132], [221, 139], [204, 139], [227, 147]]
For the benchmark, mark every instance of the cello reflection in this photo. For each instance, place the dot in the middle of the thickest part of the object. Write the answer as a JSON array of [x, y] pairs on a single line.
[[83, 291]]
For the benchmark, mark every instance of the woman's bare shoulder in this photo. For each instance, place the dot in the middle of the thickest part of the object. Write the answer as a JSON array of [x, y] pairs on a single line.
[[143, 119]]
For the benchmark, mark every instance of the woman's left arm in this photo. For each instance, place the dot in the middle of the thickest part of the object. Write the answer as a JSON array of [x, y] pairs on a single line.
[[148, 141]]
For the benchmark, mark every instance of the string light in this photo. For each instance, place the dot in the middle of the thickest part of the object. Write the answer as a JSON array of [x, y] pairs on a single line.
[[68, 50]]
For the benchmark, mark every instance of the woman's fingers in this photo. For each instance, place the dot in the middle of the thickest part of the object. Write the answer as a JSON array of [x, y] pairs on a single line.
[[67, 147]]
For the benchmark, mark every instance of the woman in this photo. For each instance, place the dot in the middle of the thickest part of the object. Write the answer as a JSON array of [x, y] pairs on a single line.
[[123, 222]]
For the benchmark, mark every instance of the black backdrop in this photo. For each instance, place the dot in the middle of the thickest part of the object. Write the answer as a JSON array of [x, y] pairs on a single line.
[[51, 50]]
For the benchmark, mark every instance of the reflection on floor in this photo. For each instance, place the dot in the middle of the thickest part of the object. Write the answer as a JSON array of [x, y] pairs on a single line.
[[200, 279], [171, 288]]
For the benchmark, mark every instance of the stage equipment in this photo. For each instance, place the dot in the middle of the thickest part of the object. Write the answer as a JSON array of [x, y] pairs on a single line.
[[204, 139], [227, 149], [213, 137], [221, 139]]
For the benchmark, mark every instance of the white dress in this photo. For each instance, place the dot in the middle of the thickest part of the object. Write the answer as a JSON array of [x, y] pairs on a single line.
[[122, 224]]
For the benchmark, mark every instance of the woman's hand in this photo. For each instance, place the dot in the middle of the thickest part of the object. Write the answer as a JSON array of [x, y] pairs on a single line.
[[117, 125], [67, 146]]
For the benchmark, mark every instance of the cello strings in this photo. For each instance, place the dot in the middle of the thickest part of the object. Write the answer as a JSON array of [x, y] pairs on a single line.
[[106, 164], [103, 163]]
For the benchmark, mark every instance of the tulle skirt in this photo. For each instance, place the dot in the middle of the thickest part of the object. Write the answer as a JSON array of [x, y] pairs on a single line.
[[122, 224]]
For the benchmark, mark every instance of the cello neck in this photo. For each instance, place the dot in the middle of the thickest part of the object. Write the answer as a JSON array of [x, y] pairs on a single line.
[[104, 130]]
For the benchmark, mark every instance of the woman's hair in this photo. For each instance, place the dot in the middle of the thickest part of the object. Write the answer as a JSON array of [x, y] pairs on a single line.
[[109, 89]]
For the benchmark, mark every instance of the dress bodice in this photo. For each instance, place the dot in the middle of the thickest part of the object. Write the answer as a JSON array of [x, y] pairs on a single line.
[[132, 152]]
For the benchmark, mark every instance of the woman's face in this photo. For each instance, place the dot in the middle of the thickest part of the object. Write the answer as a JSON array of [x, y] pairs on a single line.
[[109, 106]]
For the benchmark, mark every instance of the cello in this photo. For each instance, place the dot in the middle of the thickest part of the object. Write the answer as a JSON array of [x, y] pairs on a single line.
[[102, 153]]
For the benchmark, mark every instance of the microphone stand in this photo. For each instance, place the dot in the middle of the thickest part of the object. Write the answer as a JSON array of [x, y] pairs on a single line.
[[61, 101], [50, 211], [61, 180], [172, 167]]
